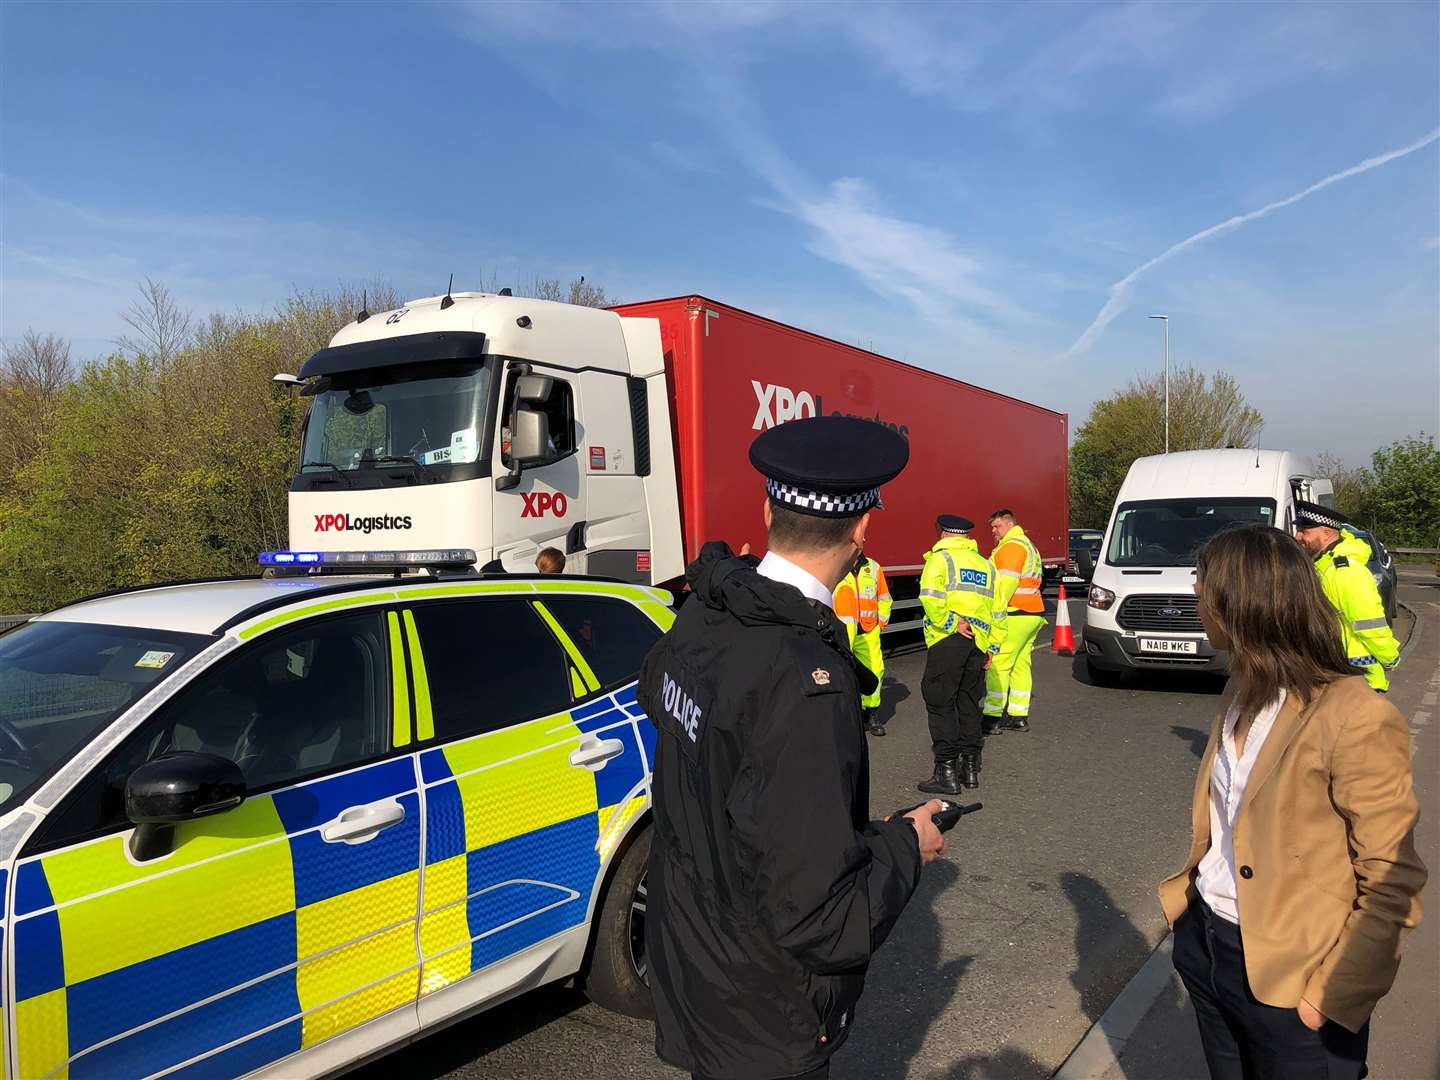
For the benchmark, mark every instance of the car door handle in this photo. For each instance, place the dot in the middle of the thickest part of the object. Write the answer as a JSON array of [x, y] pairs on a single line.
[[592, 754], [361, 823]]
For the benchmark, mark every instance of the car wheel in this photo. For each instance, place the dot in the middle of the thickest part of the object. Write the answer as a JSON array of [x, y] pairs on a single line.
[[618, 976], [1102, 676]]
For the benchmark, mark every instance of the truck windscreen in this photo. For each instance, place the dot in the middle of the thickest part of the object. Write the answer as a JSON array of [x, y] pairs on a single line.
[[1169, 532], [426, 418]]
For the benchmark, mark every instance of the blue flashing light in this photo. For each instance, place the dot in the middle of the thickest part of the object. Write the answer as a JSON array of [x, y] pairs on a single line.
[[291, 558]]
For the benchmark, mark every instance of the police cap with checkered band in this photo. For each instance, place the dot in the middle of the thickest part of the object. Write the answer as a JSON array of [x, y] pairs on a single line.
[[828, 466], [1309, 515]]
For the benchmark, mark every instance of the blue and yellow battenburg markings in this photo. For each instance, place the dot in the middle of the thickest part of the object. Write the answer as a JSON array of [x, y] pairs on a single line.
[[256, 938], [255, 931], [516, 835]]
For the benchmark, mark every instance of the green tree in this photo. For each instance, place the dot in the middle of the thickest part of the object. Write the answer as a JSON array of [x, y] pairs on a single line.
[[1206, 412], [1404, 498]]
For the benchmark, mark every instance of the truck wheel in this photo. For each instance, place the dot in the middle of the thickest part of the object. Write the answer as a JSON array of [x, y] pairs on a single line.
[[1102, 676], [618, 976]]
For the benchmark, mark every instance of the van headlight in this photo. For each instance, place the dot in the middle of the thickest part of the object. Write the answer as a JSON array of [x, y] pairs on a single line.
[[1101, 598]]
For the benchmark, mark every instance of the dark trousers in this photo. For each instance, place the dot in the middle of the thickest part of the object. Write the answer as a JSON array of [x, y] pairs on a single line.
[[953, 688], [1244, 1038], [822, 1073]]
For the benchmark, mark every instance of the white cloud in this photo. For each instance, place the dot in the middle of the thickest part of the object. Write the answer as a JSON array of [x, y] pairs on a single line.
[[681, 158]]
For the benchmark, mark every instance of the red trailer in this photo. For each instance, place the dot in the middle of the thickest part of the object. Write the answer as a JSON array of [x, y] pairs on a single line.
[[732, 374]]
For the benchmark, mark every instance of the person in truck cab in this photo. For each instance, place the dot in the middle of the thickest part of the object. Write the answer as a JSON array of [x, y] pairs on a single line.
[[1341, 560]]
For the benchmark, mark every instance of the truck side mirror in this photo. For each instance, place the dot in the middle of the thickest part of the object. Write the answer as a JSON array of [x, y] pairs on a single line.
[[177, 787], [529, 442], [533, 389]]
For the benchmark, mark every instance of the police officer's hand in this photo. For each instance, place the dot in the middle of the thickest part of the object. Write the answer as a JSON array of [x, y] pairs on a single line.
[[932, 843], [965, 630]]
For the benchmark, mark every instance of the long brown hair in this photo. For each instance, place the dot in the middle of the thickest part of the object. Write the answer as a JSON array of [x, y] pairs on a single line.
[[1261, 587]]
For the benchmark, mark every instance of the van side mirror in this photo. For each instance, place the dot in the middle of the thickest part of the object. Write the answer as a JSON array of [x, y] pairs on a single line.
[[178, 787], [1085, 563]]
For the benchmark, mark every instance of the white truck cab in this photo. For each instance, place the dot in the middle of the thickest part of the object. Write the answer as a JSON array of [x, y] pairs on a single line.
[[1141, 611], [490, 426]]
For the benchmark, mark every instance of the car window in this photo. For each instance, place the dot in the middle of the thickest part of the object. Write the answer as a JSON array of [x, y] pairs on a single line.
[[295, 704], [62, 683], [613, 636], [490, 663]]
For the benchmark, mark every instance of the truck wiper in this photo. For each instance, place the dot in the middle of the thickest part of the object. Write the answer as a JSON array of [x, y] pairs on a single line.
[[402, 459], [332, 467]]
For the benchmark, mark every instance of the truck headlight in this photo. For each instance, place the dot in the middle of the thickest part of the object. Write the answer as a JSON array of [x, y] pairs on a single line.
[[1101, 598]]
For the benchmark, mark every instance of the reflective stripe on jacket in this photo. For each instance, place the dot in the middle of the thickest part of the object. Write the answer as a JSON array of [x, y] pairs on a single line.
[[862, 601], [1019, 574], [957, 585], [1349, 586]]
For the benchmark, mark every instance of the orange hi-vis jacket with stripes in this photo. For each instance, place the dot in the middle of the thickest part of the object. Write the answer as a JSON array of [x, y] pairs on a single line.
[[1018, 573], [862, 601]]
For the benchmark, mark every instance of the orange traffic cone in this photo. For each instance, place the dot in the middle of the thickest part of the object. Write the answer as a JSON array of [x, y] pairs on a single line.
[[1064, 642]]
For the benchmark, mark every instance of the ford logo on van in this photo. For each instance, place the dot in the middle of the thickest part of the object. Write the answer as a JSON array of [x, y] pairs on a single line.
[[1171, 612]]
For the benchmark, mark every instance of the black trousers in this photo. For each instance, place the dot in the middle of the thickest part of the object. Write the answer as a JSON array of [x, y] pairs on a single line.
[[822, 1073], [1244, 1038], [954, 688]]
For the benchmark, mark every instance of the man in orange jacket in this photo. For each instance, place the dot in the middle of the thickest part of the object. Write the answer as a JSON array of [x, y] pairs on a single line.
[[862, 603]]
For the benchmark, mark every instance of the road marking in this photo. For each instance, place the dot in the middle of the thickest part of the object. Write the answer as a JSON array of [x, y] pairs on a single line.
[[1430, 695], [1420, 719]]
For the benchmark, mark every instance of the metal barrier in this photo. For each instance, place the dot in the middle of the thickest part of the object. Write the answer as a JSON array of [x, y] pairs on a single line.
[[7, 621], [1415, 551]]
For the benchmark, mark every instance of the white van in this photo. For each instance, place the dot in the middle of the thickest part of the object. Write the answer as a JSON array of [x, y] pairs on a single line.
[[1142, 611]]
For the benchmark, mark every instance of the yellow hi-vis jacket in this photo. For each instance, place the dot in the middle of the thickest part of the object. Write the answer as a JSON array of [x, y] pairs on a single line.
[[862, 601], [1018, 575], [957, 585], [1349, 586]]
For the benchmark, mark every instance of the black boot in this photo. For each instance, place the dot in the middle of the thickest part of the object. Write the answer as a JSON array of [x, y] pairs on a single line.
[[992, 725], [946, 780], [970, 770], [1016, 723], [873, 724]]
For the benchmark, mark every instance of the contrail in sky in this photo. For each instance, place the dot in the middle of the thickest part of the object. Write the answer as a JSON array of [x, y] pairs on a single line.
[[1119, 298]]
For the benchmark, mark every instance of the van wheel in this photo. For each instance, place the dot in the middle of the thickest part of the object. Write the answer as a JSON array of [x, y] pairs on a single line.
[[619, 973], [1102, 676]]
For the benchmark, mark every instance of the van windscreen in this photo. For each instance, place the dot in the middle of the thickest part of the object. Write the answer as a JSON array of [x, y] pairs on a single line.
[[1168, 532]]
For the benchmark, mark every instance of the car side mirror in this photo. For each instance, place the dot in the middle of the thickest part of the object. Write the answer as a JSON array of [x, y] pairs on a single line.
[[177, 787]]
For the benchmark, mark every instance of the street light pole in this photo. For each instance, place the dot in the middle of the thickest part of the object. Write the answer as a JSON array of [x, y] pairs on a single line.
[[1166, 320]]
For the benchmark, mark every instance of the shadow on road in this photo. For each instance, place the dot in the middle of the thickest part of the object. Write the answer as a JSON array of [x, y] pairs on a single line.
[[1196, 738], [1152, 682], [910, 986], [1103, 934], [453, 1048], [891, 695]]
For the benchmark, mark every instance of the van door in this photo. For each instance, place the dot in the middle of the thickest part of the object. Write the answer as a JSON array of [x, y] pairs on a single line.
[[548, 507]]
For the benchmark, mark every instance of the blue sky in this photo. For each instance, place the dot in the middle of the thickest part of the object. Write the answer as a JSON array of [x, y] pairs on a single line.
[[967, 187]]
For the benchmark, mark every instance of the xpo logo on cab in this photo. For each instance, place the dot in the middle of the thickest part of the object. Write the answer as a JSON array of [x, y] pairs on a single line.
[[539, 503]]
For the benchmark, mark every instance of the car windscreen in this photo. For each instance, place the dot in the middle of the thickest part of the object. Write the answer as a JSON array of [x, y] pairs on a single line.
[[61, 683], [1169, 532], [429, 417]]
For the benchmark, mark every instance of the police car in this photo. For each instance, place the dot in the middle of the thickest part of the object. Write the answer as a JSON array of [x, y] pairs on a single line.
[[276, 826]]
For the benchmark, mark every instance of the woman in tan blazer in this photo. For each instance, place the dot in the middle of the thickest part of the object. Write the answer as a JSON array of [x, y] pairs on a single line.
[[1302, 873]]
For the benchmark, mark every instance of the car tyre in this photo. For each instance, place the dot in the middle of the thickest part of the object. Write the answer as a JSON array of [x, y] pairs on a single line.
[[1102, 676], [617, 977]]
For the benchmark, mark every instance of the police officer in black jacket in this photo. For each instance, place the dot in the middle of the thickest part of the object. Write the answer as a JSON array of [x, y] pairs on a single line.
[[768, 890]]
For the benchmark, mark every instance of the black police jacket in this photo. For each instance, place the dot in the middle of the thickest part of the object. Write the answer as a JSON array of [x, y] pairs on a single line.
[[768, 890]]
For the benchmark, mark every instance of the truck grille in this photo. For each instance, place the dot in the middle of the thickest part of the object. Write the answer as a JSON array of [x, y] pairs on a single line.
[[1173, 614]]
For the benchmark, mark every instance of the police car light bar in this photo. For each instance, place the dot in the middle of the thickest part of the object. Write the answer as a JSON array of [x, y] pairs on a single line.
[[421, 557]]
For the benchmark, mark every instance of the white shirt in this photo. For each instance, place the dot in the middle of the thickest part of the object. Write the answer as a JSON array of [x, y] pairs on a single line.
[[778, 568], [1228, 776]]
